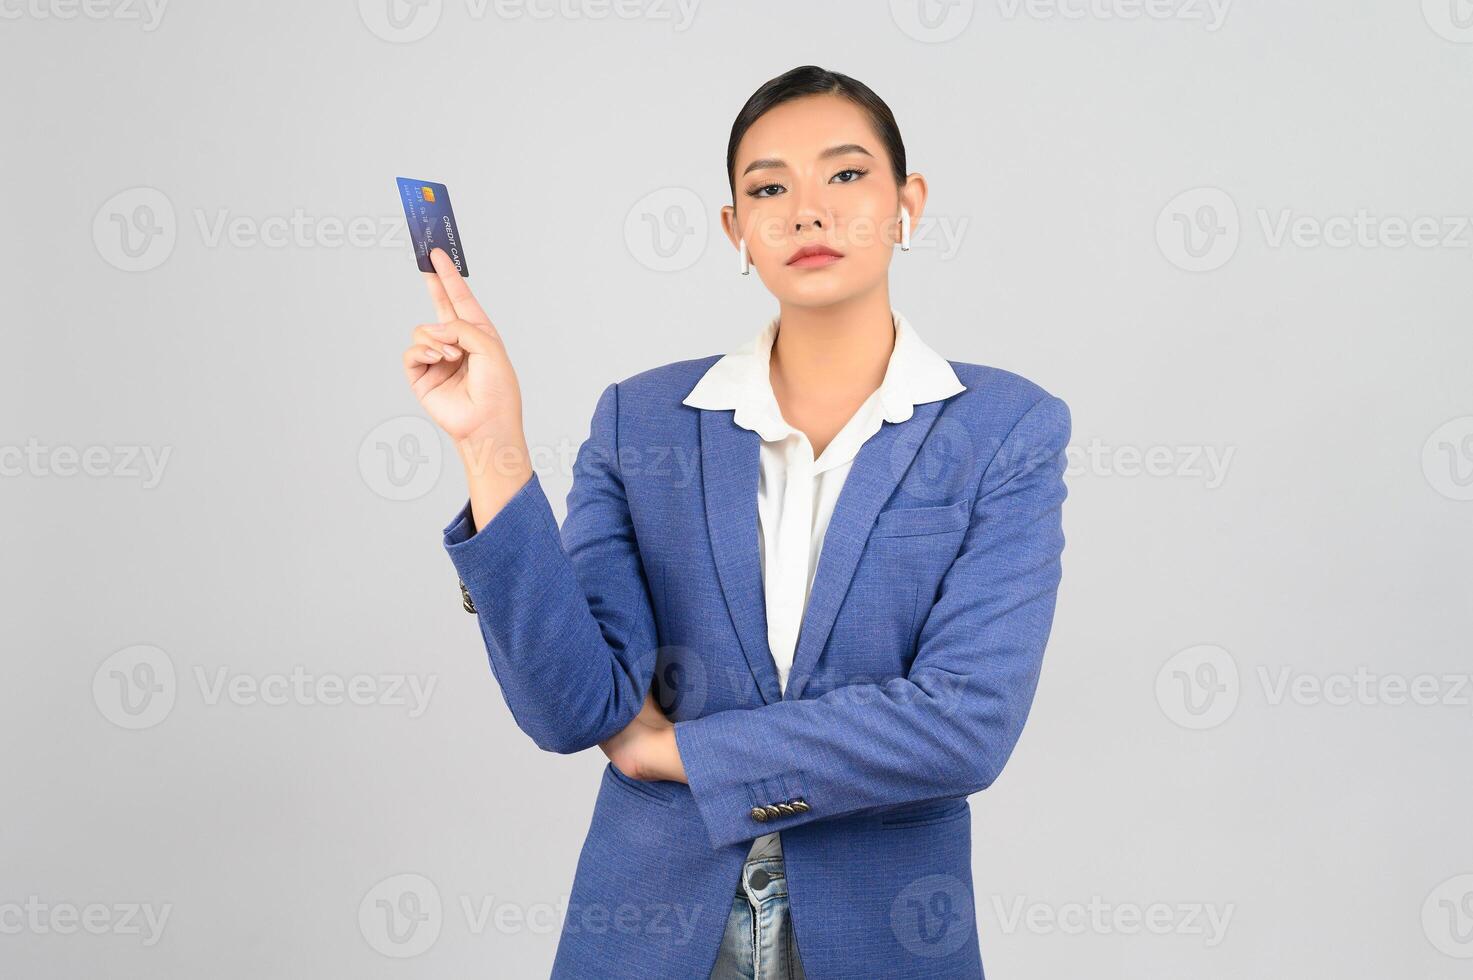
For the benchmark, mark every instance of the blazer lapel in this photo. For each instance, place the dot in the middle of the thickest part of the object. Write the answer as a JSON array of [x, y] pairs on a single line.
[[729, 471], [872, 479], [730, 465]]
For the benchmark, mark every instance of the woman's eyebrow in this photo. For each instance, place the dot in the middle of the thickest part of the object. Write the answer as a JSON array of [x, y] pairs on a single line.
[[772, 163]]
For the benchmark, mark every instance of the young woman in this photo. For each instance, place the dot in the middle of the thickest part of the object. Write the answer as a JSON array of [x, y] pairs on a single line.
[[801, 595]]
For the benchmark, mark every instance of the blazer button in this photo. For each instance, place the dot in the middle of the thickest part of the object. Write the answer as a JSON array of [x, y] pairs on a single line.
[[801, 806], [466, 602], [773, 811], [787, 809], [759, 814]]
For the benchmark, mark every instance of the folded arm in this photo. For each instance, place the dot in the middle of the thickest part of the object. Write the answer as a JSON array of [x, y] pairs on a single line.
[[566, 615], [948, 727]]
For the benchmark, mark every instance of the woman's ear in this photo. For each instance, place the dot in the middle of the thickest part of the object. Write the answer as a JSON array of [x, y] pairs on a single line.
[[728, 224], [913, 198]]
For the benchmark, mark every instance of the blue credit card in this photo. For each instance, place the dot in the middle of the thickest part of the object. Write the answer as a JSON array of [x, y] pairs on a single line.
[[431, 222]]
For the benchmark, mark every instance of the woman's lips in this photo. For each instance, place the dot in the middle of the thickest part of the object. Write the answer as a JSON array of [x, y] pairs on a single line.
[[814, 261]]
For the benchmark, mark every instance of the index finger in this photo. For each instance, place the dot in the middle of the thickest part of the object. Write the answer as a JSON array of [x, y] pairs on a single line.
[[444, 310], [464, 304]]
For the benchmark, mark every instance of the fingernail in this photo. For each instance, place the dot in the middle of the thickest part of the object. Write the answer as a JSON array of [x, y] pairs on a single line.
[[452, 352], [434, 353]]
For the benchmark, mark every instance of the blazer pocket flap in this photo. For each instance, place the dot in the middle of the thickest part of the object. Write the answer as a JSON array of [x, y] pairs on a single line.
[[920, 814], [921, 520]]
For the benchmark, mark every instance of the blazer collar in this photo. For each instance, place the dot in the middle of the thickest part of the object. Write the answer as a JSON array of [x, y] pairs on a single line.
[[917, 389]]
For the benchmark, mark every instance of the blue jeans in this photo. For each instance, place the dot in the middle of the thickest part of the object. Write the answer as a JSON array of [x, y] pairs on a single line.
[[759, 942]]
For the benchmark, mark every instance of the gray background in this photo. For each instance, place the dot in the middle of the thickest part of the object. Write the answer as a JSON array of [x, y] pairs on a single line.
[[1188, 751]]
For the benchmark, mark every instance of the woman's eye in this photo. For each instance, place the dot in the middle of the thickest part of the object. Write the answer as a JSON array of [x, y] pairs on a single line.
[[772, 190]]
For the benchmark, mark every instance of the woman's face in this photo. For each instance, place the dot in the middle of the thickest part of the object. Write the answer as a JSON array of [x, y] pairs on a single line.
[[812, 171]]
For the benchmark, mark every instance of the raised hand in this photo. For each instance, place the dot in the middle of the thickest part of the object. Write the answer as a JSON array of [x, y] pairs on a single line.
[[458, 367]]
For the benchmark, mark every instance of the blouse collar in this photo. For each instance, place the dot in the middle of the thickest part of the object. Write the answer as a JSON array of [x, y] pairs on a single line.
[[914, 375]]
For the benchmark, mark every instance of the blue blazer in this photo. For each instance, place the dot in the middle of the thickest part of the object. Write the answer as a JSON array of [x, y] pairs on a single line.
[[915, 668]]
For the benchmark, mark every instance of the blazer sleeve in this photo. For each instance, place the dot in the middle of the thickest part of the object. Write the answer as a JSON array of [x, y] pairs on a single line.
[[566, 616], [949, 725]]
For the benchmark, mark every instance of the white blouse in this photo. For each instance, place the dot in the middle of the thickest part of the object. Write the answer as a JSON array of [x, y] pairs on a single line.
[[796, 493]]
